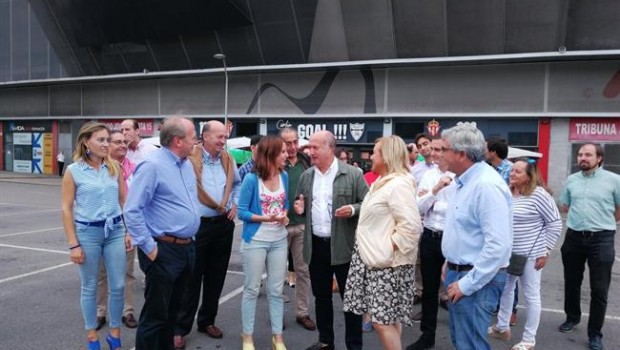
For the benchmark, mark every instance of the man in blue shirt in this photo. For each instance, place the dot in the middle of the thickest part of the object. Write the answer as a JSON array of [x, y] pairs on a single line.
[[477, 238], [218, 193], [249, 165], [592, 200], [162, 217]]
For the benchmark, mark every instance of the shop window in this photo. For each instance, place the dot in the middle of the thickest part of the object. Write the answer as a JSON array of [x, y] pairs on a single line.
[[408, 130], [245, 128]]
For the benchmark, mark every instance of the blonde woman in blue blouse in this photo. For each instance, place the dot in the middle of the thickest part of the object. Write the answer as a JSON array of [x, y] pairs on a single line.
[[92, 198]]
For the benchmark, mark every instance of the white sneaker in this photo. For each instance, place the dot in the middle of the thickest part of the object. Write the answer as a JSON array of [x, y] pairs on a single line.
[[524, 345]]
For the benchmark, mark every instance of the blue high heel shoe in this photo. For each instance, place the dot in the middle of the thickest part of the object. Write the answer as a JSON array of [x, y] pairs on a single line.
[[94, 345], [113, 343]]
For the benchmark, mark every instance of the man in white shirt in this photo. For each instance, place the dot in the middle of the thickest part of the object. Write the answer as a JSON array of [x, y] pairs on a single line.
[[329, 196], [136, 149], [435, 191]]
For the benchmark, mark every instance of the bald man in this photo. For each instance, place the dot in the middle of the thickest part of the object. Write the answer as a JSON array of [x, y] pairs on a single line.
[[330, 195], [218, 192]]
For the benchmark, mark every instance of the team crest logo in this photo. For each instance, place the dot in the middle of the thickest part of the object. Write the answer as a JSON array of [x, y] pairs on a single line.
[[433, 127], [357, 130]]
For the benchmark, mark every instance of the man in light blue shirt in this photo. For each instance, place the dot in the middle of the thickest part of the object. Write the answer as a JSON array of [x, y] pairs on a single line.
[[218, 192], [592, 199], [477, 238], [162, 217]]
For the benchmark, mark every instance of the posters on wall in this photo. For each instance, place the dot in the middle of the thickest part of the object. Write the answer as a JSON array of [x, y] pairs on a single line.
[[32, 147]]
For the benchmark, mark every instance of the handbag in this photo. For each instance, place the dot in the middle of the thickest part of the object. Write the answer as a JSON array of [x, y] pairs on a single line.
[[517, 262]]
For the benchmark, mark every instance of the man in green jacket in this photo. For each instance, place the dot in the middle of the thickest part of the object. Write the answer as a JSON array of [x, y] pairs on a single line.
[[329, 195]]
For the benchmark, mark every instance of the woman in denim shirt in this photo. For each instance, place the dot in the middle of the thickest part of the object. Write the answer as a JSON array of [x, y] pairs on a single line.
[[92, 200]]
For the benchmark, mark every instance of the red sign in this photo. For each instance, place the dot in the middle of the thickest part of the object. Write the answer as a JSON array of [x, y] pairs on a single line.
[[433, 127], [146, 126], [594, 129]]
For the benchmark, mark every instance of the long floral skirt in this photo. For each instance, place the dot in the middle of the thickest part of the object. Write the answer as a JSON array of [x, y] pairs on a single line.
[[385, 294]]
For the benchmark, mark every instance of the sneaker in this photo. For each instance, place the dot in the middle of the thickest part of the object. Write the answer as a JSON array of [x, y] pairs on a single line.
[[568, 326], [524, 345], [497, 333]]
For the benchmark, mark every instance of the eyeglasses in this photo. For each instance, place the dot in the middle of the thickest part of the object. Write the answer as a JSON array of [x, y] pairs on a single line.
[[120, 142]]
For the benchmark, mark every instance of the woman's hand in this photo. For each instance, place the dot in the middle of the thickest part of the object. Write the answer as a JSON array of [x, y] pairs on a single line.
[[77, 255], [540, 262]]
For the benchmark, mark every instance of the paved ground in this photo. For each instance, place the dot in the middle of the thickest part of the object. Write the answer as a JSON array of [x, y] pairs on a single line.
[[39, 288]]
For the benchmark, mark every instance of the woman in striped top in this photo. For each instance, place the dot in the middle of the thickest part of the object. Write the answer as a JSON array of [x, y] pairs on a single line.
[[536, 228], [92, 199]]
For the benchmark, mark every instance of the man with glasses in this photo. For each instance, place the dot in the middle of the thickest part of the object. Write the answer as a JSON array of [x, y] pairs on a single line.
[[296, 163], [329, 196], [118, 150], [477, 237]]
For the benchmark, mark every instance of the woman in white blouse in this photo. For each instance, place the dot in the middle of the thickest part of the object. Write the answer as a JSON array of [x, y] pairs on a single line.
[[536, 228], [381, 276]]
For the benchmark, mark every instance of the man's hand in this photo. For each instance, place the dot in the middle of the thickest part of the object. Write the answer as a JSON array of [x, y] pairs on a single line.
[[128, 245], [443, 183], [454, 292], [422, 192], [232, 213], [343, 212], [299, 205], [153, 254]]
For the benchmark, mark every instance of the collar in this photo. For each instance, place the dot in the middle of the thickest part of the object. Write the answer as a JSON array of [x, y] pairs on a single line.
[[583, 174], [469, 174], [207, 159], [176, 159], [332, 167], [85, 166]]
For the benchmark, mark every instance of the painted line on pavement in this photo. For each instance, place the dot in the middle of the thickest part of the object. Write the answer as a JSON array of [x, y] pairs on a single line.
[[28, 232], [237, 291], [555, 311], [35, 249], [35, 272], [30, 212], [617, 259]]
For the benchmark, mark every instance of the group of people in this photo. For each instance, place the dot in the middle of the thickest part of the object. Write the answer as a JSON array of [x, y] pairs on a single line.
[[464, 220]]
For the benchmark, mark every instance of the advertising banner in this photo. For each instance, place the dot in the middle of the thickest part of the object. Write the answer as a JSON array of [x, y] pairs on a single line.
[[594, 129], [345, 130]]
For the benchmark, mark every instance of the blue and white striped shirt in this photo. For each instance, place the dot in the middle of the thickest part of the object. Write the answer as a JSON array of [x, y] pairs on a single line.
[[96, 192], [533, 215]]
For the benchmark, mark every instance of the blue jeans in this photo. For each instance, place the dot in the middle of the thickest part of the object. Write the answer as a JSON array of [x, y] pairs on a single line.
[[112, 248], [471, 315], [256, 255]]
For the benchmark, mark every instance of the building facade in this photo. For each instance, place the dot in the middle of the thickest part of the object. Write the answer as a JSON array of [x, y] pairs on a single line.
[[539, 74]]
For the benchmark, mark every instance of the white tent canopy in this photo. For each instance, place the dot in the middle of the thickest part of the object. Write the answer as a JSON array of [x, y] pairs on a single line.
[[514, 152]]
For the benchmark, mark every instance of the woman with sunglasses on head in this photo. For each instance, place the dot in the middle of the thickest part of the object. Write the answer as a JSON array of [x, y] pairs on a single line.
[[93, 194], [536, 228], [382, 273], [263, 207]]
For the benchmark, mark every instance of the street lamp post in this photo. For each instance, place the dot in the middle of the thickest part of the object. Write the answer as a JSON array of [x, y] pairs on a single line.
[[221, 56]]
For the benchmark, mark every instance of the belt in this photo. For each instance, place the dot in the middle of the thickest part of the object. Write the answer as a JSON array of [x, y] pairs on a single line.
[[101, 223], [211, 219], [174, 240], [431, 233], [459, 268], [322, 239], [590, 233]]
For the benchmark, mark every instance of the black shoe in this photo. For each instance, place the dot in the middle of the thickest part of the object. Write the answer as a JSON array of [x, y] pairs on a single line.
[[417, 299], [101, 321], [443, 304], [422, 343], [567, 326], [321, 346], [596, 342], [130, 321]]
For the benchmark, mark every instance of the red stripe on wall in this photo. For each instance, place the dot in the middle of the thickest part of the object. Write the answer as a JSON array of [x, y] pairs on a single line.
[[544, 142], [55, 142]]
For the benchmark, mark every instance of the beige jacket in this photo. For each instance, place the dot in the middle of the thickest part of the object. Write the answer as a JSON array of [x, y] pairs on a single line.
[[389, 216]]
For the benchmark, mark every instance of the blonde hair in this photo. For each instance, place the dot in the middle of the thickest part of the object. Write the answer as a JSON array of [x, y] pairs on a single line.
[[86, 132], [394, 153], [534, 177]]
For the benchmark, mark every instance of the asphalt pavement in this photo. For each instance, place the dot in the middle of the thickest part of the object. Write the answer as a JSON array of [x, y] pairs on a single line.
[[39, 289]]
